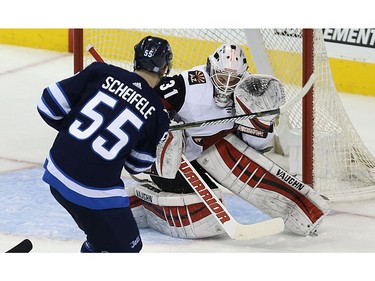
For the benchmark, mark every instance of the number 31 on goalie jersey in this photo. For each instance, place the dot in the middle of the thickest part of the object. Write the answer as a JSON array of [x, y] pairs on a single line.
[[114, 127], [172, 89]]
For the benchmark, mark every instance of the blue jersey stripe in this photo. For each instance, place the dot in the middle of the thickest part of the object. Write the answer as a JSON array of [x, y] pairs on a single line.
[[90, 197]]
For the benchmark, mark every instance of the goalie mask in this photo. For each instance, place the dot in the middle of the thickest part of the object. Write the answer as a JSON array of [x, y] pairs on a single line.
[[226, 68]]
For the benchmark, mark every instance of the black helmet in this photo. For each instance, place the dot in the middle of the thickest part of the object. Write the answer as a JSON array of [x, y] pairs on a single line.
[[153, 54]]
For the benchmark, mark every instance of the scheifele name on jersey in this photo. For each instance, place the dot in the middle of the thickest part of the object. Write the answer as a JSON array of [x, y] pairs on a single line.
[[128, 94]]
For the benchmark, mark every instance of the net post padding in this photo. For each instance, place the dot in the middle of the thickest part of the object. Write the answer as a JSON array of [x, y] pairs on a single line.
[[307, 108], [78, 49]]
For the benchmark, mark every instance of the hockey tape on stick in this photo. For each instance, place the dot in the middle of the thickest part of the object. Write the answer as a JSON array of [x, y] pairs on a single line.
[[223, 120], [234, 229], [94, 53], [25, 246]]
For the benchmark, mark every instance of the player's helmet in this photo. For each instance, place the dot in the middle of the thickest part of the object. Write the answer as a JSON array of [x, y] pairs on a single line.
[[153, 54], [226, 67]]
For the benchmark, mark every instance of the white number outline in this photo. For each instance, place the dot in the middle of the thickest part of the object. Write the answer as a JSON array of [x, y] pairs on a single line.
[[165, 86], [89, 110]]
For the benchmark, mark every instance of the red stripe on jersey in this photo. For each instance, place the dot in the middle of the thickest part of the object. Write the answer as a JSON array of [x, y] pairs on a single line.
[[166, 104]]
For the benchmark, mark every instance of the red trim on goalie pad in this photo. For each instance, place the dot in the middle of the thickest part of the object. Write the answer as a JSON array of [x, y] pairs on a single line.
[[174, 214], [246, 168], [177, 214], [135, 201]]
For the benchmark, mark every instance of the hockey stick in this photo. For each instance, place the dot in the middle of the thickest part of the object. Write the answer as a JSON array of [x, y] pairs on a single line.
[[223, 120], [25, 246], [94, 53], [234, 229]]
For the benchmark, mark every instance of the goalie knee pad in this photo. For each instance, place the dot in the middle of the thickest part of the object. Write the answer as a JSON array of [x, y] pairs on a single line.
[[176, 215], [258, 180]]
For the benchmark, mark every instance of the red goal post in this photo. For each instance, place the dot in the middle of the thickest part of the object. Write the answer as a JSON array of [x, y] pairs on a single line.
[[316, 139]]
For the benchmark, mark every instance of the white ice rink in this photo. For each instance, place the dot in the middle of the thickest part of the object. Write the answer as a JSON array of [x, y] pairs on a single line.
[[27, 210]]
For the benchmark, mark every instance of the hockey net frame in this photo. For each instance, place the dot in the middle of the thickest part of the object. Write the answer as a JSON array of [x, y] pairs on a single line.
[[316, 132]]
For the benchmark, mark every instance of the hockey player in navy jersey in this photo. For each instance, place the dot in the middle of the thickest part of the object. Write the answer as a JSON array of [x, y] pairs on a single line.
[[226, 153], [107, 119]]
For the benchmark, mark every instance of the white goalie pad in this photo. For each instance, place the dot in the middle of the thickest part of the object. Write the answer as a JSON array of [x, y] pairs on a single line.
[[176, 215], [168, 155], [257, 93], [261, 182]]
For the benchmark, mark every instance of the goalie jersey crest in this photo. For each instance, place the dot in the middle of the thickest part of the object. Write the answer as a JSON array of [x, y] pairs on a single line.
[[196, 77]]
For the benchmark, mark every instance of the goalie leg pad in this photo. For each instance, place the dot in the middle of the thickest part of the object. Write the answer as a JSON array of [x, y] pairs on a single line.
[[258, 180], [136, 206], [176, 215]]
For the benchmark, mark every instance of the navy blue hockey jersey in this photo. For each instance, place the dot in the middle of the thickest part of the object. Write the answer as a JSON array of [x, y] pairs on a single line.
[[108, 118]]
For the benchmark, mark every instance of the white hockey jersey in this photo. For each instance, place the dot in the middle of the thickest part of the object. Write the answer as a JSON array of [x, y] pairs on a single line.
[[190, 94]]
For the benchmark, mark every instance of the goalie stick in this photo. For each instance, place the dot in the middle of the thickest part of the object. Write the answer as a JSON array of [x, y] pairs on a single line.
[[25, 246], [282, 109], [234, 229]]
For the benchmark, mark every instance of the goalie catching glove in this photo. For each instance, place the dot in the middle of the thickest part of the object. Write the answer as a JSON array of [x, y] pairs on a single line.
[[257, 93]]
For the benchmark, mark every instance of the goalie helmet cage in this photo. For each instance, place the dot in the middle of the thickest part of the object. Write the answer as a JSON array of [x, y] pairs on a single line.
[[335, 160]]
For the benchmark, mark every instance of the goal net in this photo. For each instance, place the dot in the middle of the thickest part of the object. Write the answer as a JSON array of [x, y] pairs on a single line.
[[342, 167]]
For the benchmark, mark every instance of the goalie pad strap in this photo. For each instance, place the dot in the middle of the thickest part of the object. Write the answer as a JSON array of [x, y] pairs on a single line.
[[252, 131]]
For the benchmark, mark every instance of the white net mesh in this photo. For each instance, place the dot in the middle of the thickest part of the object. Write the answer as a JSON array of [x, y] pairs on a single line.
[[343, 167]]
